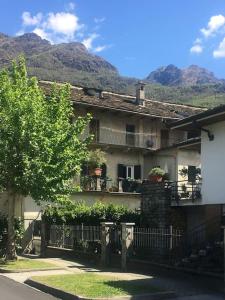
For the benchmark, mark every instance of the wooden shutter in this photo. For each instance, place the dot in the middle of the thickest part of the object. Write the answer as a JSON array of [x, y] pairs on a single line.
[[137, 172], [94, 129], [121, 171], [191, 173], [104, 171]]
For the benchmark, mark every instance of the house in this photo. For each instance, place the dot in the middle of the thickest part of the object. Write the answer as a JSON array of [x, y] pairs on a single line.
[[133, 131], [209, 206]]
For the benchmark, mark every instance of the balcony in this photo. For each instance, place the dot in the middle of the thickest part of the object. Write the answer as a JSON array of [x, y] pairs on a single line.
[[113, 137], [94, 183], [184, 192]]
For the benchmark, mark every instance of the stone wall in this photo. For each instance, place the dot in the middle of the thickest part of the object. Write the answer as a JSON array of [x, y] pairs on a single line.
[[155, 204]]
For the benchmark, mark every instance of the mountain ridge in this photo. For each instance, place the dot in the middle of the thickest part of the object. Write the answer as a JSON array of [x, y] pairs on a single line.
[[72, 62], [171, 75]]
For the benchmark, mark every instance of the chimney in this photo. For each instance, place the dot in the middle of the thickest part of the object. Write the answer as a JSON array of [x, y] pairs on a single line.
[[140, 93]]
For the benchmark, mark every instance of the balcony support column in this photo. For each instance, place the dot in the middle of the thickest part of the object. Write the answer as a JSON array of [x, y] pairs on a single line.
[[120, 186]]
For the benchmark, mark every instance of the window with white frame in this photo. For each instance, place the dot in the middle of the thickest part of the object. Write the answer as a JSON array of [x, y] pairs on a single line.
[[130, 172]]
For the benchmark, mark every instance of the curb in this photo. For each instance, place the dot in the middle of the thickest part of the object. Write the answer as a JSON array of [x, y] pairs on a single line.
[[67, 296], [2, 270]]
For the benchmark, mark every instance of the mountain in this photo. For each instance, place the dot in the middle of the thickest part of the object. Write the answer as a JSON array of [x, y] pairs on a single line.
[[71, 62], [173, 76], [41, 54]]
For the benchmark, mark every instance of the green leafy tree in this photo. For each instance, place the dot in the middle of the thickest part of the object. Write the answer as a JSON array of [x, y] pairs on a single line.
[[41, 148]]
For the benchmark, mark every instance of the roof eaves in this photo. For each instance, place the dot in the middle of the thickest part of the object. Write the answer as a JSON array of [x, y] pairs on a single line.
[[124, 110], [209, 114]]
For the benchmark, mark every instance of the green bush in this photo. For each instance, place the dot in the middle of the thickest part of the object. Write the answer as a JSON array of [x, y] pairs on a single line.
[[90, 215], [157, 172]]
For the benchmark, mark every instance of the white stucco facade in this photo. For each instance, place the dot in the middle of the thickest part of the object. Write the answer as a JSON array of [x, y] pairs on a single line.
[[213, 165]]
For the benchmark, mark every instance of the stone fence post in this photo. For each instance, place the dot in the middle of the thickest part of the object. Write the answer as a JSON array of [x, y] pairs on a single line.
[[127, 241], [105, 242]]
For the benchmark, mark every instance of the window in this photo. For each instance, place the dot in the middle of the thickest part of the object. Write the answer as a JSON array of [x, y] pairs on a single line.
[[129, 171], [94, 129], [130, 135], [192, 171], [164, 138]]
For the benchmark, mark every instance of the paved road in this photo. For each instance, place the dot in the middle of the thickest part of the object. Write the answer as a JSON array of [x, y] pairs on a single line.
[[201, 297], [11, 290], [187, 286]]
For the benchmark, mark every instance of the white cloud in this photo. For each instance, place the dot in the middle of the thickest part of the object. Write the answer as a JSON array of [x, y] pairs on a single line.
[[62, 27], [214, 28], [28, 20], [42, 34], [215, 23], [88, 42], [101, 48], [63, 23], [55, 27], [20, 32], [99, 20], [197, 49], [198, 41], [220, 51], [71, 6]]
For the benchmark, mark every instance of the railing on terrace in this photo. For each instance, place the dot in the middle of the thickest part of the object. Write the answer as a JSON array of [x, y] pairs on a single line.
[[184, 190], [105, 184], [106, 135]]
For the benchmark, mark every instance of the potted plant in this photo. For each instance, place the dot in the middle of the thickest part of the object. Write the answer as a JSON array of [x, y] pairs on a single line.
[[95, 160], [156, 174]]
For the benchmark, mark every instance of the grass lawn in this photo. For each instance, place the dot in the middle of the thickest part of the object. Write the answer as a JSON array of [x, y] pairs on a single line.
[[94, 285], [28, 264]]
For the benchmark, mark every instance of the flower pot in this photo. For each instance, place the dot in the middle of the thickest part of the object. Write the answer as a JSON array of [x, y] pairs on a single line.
[[98, 171], [155, 178]]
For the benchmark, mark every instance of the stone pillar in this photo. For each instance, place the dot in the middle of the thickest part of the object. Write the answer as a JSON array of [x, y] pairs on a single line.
[[127, 241], [155, 204], [105, 240]]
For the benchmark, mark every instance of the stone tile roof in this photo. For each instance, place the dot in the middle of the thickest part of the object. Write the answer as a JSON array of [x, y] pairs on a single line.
[[126, 103]]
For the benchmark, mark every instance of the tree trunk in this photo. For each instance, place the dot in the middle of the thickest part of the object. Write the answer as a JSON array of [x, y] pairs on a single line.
[[11, 244]]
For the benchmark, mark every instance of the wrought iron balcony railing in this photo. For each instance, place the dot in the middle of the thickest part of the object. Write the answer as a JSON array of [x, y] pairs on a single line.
[[184, 191], [94, 183]]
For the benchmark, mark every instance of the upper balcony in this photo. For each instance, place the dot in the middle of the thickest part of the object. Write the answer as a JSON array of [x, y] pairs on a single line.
[[128, 139]]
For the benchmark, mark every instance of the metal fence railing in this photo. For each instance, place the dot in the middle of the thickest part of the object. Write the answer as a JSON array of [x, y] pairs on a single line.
[[164, 238], [164, 245], [66, 236]]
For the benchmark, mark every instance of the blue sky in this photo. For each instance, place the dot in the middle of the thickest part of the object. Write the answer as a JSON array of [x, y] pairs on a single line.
[[135, 36]]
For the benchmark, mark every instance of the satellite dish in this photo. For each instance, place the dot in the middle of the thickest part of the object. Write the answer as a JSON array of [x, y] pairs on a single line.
[[149, 143]]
